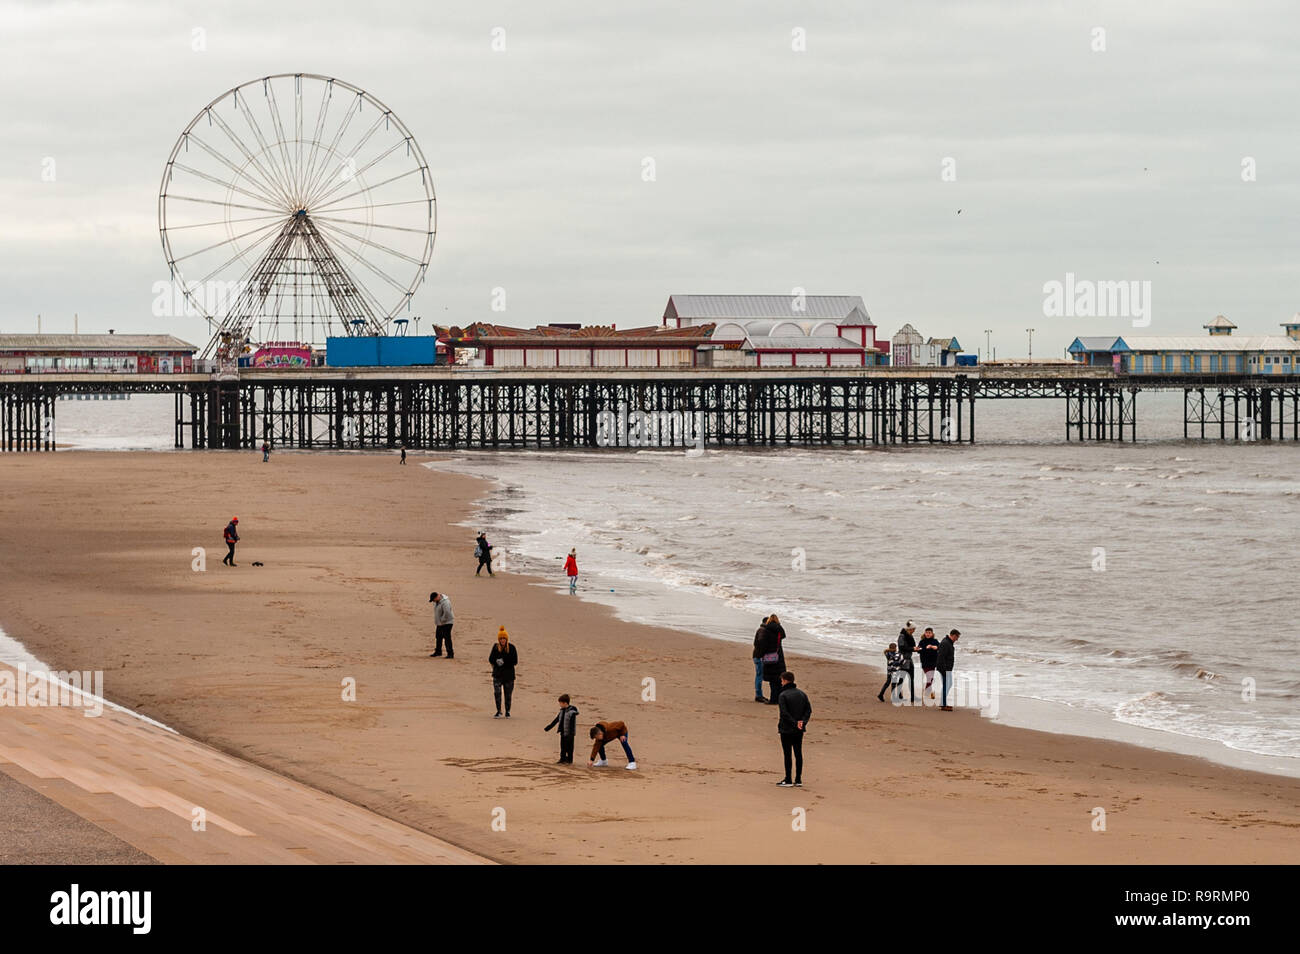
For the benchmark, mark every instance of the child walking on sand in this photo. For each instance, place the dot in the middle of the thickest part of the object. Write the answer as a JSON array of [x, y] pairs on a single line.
[[893, 673], [567, 720], [603, 732], [571, 570]]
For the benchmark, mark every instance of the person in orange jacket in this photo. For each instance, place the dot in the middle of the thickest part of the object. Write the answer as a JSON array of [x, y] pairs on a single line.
[[571, 570], [603, 732]]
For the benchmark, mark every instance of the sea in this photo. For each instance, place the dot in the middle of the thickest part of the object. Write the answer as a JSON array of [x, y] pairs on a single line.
[[1142, 591]]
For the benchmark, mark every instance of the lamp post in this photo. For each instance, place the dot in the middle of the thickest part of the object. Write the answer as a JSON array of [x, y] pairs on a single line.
[[1031, 341], [988, 349]]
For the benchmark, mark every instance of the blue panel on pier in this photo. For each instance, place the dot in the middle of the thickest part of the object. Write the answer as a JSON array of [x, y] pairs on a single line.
[[386, 352]]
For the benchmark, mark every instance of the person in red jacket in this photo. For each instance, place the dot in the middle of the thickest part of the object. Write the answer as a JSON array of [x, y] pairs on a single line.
[[232, 537], [571, 570]]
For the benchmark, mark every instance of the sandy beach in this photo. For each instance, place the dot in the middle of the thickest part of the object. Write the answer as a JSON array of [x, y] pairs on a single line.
[[97, 574]]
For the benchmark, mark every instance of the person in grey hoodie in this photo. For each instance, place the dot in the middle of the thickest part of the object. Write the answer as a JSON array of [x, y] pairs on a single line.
[[443, 618]]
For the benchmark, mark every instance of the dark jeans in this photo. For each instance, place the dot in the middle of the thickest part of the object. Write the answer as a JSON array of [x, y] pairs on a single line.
[[484, 561], [566, 748], [441, 633], [230, 557], [627, 749], [774, 686], [793, 742], [497, 686], [910, 672]]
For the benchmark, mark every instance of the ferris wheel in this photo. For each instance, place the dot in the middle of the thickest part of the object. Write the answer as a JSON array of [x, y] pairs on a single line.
[[295, 207]]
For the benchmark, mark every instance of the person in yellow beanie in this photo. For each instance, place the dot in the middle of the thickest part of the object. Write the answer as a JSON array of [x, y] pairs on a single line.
[[503, 660]]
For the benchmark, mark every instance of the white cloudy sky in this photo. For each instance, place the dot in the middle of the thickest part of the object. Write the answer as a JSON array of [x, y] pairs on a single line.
[[775, 168]]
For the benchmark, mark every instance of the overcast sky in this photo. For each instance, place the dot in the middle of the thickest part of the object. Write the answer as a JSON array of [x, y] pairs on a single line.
[[775, 168]]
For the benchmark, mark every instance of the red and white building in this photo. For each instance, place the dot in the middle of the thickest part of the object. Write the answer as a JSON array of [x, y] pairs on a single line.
[[571, 346], [774, 331], [110, 353]]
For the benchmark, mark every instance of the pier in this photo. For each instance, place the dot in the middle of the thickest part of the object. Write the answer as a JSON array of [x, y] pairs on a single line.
[[459, 408]]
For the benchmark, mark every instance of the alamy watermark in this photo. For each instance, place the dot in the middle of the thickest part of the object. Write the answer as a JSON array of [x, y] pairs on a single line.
[[1085, 298], [624, 428], [39, 688]]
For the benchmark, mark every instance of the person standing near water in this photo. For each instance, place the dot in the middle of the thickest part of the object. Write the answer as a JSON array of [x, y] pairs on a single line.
[[906, 646], [773, 656], [232, 537], [503, 658], [947, 650], [791, 724], [928, 648], [760, 638], [443, 619], [571, 570], [483, 550]]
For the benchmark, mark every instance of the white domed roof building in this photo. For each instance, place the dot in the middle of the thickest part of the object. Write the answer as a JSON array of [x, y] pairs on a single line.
[[784, 330]]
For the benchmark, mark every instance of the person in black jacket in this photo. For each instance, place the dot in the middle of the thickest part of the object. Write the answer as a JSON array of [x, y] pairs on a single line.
[[947, 650], [773, 656], [483, 550], [760, 637], [791, 724], [906, 646], [232, 537], [567, 720], [503, 660], [928, 650]]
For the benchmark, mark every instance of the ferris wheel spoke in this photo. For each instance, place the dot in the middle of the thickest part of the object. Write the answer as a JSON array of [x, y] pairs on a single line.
[[372, 225], [243, 278], [374, 268], [377, 205], [332, 149], [268, 193], [358, 173], [373, 244], [228, 205], [205, 225], [256, 129], [325, 101], [364, 189], [214, 179], [230, 240], [294, 191], [239, 144], [352, 172]]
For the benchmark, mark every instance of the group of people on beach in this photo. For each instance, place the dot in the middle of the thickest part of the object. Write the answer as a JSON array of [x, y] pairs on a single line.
[[503, 659], [936, 655]]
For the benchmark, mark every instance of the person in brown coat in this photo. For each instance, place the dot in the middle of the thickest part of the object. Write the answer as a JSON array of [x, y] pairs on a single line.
[[603, 732]]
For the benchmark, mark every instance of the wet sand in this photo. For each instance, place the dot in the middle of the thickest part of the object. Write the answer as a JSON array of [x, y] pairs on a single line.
[[96, 573]]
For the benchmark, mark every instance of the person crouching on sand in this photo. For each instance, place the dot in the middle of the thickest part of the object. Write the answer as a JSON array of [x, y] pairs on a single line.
[[567, 720], [503, 658], [571, 570], [928, 649], [603, 732]]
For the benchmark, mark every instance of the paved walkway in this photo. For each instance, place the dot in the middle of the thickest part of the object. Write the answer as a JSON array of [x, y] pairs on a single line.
[[141, 784]]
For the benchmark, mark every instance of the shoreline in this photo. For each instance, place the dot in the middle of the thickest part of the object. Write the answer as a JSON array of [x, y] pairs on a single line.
[[1028, 712], [343, 592]]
